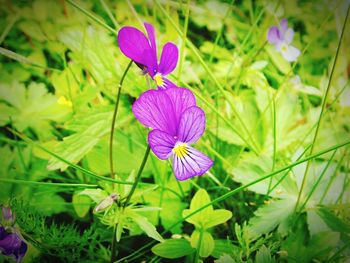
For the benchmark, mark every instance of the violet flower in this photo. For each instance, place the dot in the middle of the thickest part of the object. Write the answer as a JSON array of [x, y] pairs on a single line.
[[177, 123], [142, 50], [281, 37], [12, 245]]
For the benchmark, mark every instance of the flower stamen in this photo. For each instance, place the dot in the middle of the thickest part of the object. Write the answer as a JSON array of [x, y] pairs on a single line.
[[158, 78], [180, 150]]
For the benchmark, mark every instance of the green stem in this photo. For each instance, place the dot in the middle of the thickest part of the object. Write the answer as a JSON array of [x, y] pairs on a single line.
[[114, 119], [196, 259], [324, 102], [18, 181], [137, 179], [183, 44], [138, 176]]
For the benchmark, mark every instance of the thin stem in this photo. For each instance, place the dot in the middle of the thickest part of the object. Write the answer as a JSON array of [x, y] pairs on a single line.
[[318, 181], [138, 176], [92, 16], [183, 44], [114, 119], [274, 141], [18, 181], [324, 102], [137, 179]]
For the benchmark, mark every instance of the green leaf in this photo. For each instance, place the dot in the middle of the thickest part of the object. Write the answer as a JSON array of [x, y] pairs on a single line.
[[334, 222], [270, 216], [81, 204], [173, 248], [222, 247], [225, 258], [217, 217], [204, 240], [199, 219], [31, 107], [208, 217], [89, 127], [96, 195], [146, 226], [264, 255]]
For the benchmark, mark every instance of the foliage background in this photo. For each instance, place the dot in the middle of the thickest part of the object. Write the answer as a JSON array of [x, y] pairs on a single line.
[[60, 68]]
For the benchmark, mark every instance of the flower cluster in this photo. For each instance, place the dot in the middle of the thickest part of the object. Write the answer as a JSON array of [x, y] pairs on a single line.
[[171, 112], [281, 37], [11, 242]]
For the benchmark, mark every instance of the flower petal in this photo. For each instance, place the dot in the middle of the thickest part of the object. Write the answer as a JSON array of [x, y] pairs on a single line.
[[167, 84], [181, 99], [192, 125], [288, 35], [161, 143], [151, 37], [290, 54], [193, 164], [168, 59], [154, 109], [273, 36], [134, 44], [283, 26], [10, 244]]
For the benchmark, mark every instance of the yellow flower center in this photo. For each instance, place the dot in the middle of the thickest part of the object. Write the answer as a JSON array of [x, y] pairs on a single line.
[[180, 150], [158, 79], [284, 47]]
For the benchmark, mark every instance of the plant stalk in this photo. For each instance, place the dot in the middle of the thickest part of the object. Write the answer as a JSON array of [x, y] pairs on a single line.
[[114, 119], [137, 179]]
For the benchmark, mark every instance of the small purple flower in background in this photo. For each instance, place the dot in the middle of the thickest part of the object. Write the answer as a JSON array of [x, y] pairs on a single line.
[[7, 217], [281, 37], [142, 50], [177, 123], [11, 242]]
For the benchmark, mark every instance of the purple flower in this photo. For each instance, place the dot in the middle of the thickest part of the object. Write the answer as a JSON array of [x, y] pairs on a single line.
[[142, 50], [177, 123], [7, 216], [281, 37], [11, 244]]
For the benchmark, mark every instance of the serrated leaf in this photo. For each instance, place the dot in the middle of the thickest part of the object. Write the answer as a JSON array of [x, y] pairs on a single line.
[[173, 248], [270, 216], [225, 258], [31, 107]]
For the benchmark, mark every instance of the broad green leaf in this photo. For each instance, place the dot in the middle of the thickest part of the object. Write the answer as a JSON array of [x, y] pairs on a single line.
[[217, 217], [173, 248], [81, 204], [204, 241], [199, 199]]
